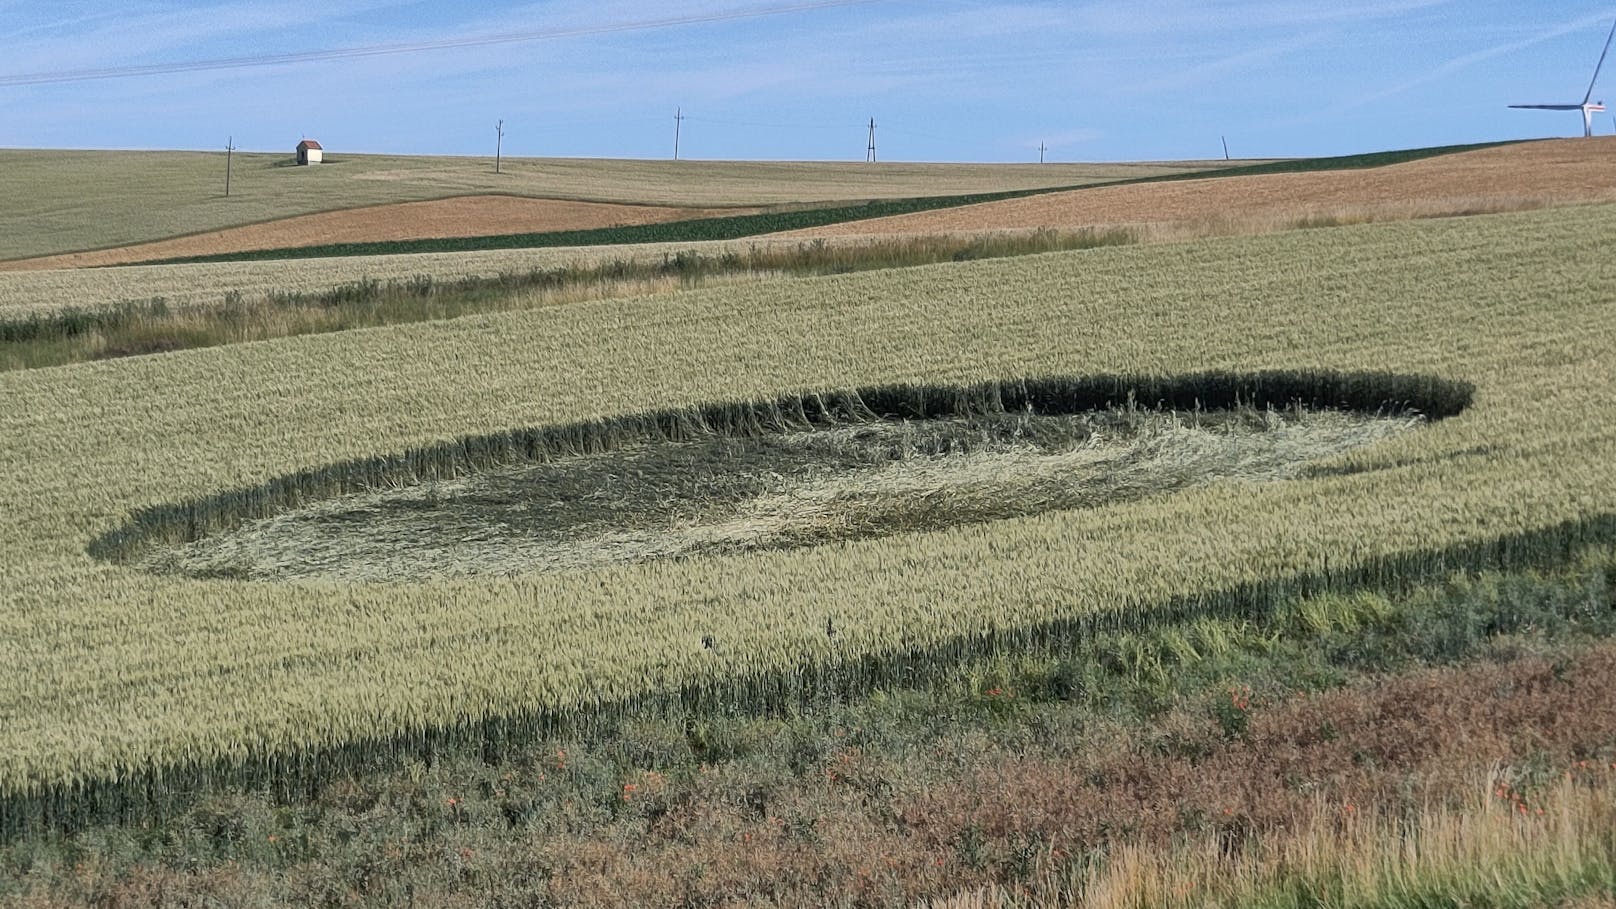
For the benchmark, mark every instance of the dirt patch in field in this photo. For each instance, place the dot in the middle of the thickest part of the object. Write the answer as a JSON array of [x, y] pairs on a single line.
[[467, 216], [1507, 178]]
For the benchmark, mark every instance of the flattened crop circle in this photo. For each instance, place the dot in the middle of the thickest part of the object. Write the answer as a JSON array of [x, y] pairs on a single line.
[[796, 471]]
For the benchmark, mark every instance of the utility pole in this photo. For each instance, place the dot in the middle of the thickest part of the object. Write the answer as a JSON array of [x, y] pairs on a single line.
[[229, 150], [1041, 153], [678, 123], [499, 143], [1225, 147], [869, 154]]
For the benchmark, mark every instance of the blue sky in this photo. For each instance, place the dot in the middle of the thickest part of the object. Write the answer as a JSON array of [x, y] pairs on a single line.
[[946, 80]]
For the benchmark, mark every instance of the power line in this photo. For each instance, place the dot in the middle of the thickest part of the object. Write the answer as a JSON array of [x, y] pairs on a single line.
[[378, 50], [919, 135], [759, 125]]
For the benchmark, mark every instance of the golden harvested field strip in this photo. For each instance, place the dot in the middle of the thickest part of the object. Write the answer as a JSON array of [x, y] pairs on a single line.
[[110, 671], [70, 201], [467, 216], [1511, 177]]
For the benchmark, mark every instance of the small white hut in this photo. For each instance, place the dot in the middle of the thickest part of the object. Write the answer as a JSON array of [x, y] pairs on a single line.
[[309, 152]]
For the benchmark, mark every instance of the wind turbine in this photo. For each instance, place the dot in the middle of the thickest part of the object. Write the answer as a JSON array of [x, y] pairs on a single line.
[[1588, 108]]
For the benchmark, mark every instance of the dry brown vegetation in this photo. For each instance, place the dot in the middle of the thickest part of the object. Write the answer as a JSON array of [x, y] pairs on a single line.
[[1505, 178], [1426, 738], [1482, 855], [1501, 762], [469, 216]]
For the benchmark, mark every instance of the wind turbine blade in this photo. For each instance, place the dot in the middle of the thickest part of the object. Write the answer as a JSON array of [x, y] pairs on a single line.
[[1601, 64], [1547, 106]]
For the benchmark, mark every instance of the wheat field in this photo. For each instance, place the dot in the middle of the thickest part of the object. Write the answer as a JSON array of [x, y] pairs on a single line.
[[116, 674]]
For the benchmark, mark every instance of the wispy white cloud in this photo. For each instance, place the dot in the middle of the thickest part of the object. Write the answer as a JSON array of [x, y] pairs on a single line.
[[958, 77], [1188, 17], [1466, 61], [1202, 75], [143, 33], [69, 25]]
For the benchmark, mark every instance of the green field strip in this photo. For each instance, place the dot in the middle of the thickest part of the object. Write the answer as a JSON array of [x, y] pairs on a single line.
[[696, 230]]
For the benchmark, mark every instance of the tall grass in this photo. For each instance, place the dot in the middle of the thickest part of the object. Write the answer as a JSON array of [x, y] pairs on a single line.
[[1561, 851]]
